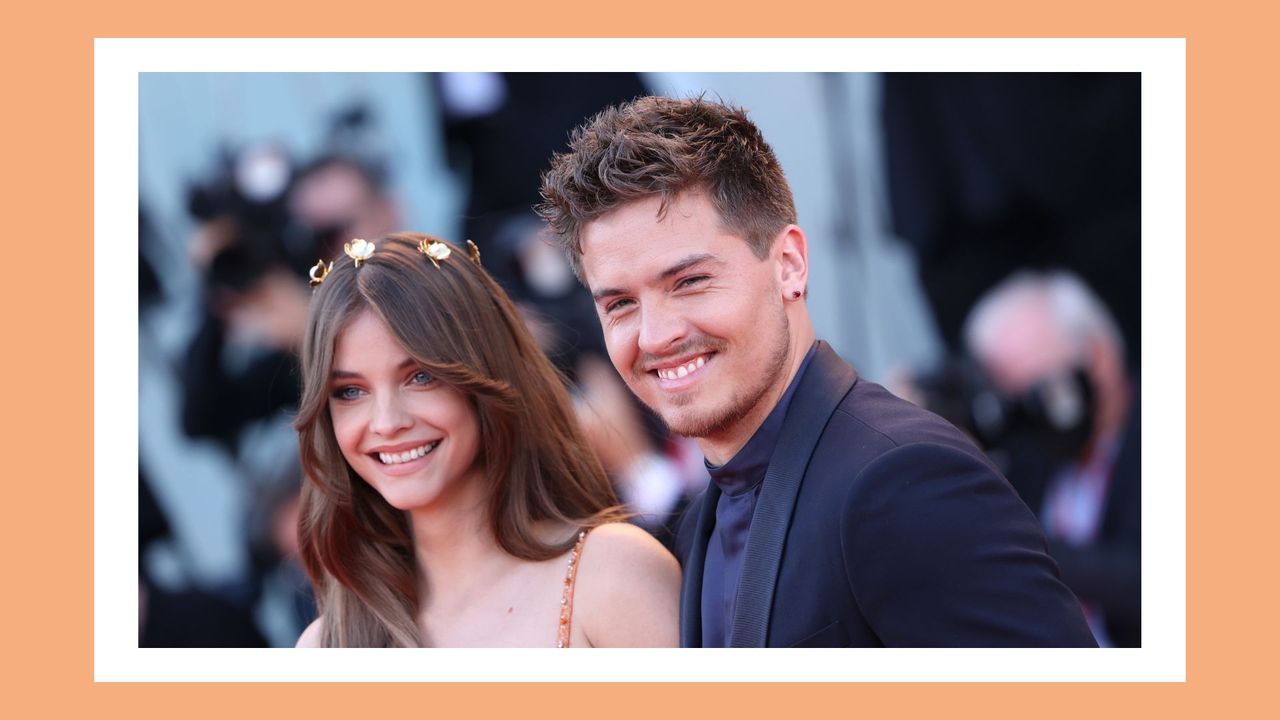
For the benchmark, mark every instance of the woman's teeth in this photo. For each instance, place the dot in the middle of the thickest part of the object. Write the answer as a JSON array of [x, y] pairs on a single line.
[[404, 457], [678, 372]]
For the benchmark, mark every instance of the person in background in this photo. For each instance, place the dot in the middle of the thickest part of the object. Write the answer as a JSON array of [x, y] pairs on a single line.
[[451, 498], [335, 198], [239, 374], [239, 366], [1068, 420]]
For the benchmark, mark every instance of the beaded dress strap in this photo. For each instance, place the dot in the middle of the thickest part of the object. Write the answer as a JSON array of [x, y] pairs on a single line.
[[566, 599]]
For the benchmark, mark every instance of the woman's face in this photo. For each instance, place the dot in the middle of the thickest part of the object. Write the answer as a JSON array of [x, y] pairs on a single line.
[[412, 438]]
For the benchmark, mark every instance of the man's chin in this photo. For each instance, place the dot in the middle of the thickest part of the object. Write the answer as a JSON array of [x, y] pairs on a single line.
[[688, 423]]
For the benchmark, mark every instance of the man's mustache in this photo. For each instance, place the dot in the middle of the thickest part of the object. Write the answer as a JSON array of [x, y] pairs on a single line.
[[688, 348]]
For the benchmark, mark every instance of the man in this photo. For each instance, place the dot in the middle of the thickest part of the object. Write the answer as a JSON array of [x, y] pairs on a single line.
[[1070, 428], [838, 515], [336, 198]]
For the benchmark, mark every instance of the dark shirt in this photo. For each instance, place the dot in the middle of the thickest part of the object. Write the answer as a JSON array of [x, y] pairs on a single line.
[[739, 480]]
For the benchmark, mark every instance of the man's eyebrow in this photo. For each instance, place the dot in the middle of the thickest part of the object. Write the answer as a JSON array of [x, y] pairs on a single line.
[[682, 265], [685, 264]]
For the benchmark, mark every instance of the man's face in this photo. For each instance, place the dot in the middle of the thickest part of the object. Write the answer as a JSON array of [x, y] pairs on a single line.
[[693, 320], [1028, 349], [339, 203]]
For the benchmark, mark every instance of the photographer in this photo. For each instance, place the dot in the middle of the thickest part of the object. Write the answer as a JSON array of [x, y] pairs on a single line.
[[1063, 416], [239, 366]]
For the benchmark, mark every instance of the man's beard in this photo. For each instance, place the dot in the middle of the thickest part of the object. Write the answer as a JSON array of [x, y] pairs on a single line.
[[717, 421]]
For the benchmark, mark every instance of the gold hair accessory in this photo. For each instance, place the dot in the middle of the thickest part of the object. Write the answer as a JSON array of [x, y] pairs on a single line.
[[475, 252], [319, 272], [435, 251], [358, 250]]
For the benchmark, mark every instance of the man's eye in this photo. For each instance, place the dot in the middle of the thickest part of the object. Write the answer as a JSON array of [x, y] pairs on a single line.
[[617, 305], [691, 281], [422, 377]]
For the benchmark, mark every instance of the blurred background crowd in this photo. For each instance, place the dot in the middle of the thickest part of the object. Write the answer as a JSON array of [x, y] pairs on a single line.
[[974, 245]]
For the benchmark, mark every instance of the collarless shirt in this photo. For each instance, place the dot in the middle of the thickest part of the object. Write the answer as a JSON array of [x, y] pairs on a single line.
[[739, 480]]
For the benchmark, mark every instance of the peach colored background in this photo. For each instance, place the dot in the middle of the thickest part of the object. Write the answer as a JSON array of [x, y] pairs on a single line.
[[47, 532]]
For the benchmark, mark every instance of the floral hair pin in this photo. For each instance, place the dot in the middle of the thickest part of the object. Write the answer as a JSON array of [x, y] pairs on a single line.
[[358, 250], [319, 272], [435, 251], [475, 252]]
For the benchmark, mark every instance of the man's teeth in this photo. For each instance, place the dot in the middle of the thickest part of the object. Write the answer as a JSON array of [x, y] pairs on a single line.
[[678, 372], [404, 457]]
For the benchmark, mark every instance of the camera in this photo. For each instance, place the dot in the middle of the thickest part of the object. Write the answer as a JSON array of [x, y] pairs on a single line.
[[1055, 414]]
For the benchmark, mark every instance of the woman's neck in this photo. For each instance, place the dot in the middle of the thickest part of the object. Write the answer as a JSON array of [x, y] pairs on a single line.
[[452, 545]]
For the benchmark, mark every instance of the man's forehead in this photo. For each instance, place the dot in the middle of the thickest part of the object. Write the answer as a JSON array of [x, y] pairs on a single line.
[[1027, 347]]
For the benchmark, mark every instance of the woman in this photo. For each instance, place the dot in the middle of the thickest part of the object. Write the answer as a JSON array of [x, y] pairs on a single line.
[[451, 498]]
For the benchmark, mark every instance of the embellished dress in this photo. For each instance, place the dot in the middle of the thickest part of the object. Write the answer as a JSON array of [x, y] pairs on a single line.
[[566, 598]]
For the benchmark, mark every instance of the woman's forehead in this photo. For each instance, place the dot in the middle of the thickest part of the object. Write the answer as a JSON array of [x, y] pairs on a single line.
[[367, 341]]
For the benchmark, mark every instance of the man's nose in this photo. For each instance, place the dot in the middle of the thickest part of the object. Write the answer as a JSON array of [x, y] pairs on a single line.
[[660, 330]]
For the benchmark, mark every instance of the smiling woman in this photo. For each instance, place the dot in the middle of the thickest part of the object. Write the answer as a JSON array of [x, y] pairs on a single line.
[[412, 438], [452, 499]]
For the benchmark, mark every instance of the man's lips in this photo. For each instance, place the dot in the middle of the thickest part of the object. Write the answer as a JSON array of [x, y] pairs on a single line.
[[681, 368], [679, 374]]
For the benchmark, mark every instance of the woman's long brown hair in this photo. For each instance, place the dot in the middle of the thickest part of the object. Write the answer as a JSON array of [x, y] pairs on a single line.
[[464, 330]]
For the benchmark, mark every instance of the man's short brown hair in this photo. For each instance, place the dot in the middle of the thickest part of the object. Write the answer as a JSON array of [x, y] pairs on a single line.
[[662, 146]]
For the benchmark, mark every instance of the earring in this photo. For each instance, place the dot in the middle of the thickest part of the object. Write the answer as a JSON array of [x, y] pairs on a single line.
[[795, 294]]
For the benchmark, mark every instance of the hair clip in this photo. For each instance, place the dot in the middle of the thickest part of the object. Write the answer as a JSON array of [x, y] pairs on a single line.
[[475, 251], [358, 250], [319, 272], [435, 251]]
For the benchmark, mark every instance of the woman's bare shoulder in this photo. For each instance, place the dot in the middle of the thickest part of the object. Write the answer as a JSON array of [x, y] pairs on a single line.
[[621, 542], [310, 637], [627, 592]]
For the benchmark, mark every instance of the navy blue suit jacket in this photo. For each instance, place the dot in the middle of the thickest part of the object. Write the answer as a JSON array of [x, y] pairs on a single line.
[[902, 534]]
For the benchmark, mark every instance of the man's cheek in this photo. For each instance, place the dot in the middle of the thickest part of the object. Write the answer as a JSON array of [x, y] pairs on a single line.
[[620, 353]]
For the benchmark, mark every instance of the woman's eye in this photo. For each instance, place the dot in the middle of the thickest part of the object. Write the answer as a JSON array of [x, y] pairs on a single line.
[[346, 393], [422, 377]]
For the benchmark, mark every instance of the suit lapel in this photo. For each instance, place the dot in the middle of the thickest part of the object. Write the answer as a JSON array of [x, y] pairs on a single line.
[[825, 383], [691, 589]]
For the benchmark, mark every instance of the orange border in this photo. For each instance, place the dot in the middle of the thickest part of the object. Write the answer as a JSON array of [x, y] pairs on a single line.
[[48, 66]]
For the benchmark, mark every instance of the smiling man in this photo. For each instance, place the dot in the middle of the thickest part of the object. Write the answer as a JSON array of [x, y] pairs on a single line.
[[838, 514]]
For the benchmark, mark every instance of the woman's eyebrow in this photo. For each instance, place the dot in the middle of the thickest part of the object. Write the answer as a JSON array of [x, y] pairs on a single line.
[[339, 374]]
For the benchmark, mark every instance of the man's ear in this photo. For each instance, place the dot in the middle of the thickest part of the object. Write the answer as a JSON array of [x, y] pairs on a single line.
[[791, 255]]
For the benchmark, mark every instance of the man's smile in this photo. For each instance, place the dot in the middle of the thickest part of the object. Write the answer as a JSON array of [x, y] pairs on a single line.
[[682, 373]]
